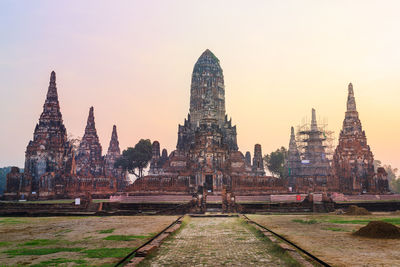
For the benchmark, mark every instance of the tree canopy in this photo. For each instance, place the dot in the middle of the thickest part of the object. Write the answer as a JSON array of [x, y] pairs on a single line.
[[3, 174], [137, 157], [275, 162], [393, 179]]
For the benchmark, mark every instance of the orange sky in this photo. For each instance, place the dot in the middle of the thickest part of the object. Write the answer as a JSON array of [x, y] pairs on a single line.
[[132, 60]]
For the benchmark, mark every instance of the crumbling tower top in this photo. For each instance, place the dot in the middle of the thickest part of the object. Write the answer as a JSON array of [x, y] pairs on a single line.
[[351, 101], [113, 148], [314, 126], [51, 107], [351, 123], [207, 93]]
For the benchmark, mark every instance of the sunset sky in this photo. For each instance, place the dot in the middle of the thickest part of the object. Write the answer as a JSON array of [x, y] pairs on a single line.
[[133, 60]]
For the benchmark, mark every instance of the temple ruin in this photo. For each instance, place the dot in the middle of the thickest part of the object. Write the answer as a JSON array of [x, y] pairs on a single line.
[[308, 165], [206, 158], [207, 153], [352, 165], [351, 169], [53, 169]]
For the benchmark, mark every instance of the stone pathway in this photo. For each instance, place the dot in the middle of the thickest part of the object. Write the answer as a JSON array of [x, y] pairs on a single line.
[[213, 241]]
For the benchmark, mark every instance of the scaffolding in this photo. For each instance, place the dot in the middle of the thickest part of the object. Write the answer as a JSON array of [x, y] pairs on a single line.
[[327, 137]]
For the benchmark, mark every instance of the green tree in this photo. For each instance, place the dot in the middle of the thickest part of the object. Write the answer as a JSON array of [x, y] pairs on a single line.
[[395, 185], [137, 157], [394, 181], [276, 162]]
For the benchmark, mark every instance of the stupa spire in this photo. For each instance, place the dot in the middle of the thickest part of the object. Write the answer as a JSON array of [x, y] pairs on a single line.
[[114, 143], [351, 123], [52, 95], [51, 106], [113, 154], [53, 77], [258, 163], [89, 160], [313, 121], [351, 101], [292, 142], [90, 125], [293, 161], [292, 138]]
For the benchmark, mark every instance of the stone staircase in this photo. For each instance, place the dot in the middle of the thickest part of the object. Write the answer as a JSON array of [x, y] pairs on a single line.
[[214, 207]]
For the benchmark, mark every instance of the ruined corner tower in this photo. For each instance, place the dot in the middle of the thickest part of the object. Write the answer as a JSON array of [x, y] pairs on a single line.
[[89, 160], [353, 160], [49, 151], [294, 160]]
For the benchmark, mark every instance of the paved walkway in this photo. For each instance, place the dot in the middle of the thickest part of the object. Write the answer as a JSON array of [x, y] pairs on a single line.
[[215, 241]]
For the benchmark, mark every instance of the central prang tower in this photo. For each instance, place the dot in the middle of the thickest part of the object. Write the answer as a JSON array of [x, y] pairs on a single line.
[[207, 104], [207, 156], [207, 92]]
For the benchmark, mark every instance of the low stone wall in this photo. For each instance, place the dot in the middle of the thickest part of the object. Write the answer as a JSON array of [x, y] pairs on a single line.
[[258, 185], [91, 209], [150, 184], [42, 209]]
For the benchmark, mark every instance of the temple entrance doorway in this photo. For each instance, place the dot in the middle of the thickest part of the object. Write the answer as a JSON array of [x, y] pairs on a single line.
[[209, 183]]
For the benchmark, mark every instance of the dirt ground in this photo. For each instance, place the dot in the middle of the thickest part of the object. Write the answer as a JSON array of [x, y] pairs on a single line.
[[83, 241], [330, 238]]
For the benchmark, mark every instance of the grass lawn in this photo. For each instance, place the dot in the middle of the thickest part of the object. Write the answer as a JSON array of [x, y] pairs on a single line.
[[74, 241]]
